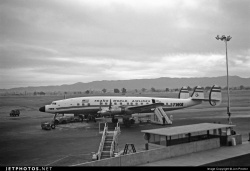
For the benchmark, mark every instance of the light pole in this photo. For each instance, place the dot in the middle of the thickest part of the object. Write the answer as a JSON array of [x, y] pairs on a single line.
[[226, 39]]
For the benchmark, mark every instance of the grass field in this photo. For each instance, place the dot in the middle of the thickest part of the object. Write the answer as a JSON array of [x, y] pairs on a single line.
[[24, 143]]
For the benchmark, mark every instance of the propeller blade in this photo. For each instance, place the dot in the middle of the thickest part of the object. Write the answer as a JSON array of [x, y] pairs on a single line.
[[110, 104]]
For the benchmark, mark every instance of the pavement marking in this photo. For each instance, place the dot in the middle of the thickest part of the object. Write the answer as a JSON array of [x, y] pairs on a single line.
[[56, 161], [66, 157]]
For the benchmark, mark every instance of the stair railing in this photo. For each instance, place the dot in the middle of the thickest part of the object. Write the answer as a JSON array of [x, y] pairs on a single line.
[[158, 114], [115, 139], [165, 115], [102, 141]]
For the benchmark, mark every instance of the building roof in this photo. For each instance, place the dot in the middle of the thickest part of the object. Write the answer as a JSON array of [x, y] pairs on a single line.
[[170, 131]]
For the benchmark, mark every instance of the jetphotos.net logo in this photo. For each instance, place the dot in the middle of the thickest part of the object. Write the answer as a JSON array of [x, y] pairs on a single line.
[[28, 169]]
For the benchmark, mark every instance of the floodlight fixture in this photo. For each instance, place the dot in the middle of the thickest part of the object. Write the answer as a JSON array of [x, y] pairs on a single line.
[[226, 39]]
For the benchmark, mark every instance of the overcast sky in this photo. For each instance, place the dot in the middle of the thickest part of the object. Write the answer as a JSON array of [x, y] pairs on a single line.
[[55, 42]]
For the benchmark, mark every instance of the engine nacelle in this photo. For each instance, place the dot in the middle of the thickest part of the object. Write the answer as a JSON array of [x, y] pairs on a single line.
[[115, 110]]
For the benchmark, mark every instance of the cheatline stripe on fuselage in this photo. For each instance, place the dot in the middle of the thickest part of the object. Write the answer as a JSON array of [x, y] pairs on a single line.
[[96, 107]]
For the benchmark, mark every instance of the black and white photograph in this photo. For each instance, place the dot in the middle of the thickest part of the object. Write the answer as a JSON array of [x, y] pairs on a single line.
[[118, 83]]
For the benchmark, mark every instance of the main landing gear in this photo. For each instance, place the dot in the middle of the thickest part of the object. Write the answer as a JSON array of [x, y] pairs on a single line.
[[91, 118], [114, 120]]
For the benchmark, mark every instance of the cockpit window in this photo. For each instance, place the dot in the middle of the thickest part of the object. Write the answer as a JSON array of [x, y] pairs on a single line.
[[53, 103]]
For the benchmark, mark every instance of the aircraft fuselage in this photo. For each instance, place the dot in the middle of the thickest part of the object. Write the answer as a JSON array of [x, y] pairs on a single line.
[[91, 105]]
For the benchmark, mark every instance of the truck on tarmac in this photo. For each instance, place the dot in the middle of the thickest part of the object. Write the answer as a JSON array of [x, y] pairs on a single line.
[[47, 125], [14, 112]]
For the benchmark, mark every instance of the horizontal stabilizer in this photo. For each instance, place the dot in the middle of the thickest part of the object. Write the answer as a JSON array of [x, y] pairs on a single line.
[[214, 96]]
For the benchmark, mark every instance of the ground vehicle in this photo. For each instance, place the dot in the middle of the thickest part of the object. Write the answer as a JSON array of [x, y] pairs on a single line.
[[64, 120], [15, 112], [48, 125]]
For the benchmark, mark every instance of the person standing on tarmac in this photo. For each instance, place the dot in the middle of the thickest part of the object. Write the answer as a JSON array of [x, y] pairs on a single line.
[[163, 120]]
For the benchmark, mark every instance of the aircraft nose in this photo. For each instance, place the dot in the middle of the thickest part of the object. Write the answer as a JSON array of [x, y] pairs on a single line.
[[42, 109]]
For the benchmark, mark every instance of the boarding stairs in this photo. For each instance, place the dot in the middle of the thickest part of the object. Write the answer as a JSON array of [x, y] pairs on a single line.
[[158, 115], [109, 142]]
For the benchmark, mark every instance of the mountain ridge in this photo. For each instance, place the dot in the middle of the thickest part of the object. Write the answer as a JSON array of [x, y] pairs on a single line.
[[157, 83]]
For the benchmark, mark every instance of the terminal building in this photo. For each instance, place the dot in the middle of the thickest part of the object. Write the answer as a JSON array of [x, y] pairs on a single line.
[[171, 142], [221, 133]]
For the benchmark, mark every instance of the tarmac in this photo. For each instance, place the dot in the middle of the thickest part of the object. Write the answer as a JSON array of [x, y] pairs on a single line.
[[205, 157]]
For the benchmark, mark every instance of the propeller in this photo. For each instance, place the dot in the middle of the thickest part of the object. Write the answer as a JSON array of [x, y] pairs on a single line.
[[110, 104], [100, 107], [106, 109]]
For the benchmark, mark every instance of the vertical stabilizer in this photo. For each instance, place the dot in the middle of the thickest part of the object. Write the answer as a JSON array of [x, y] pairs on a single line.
[[198, 93], [184, 93], [215, 96]]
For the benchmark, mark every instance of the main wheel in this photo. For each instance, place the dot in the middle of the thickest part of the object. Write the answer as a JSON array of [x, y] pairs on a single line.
[[53, 126], [56, 122]]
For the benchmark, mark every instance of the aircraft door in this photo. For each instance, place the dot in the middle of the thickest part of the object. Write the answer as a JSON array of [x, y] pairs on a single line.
[[153, 100], [85, 102]]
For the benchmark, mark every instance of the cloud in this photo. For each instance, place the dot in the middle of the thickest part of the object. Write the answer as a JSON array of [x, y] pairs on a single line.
[[57, 42]]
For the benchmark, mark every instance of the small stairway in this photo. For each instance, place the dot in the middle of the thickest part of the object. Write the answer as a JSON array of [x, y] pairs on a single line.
[[107, 145], [159, 114], [109, 142]]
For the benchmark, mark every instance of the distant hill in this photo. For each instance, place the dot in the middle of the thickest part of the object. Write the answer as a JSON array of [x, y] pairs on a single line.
[[157, 83]]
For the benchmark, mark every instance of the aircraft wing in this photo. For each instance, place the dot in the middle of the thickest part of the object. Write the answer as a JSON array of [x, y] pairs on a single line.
[[145, 107]]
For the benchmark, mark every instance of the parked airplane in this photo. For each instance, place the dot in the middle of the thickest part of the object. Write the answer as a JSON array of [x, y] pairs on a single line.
[[120, 106]]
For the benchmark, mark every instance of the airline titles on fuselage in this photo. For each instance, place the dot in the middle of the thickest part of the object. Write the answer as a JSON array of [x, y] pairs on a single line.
[[140, 101], [133, 101]]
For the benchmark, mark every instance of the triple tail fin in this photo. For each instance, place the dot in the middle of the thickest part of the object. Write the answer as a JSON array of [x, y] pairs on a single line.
[[215, 96], [184, 93]]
